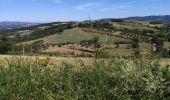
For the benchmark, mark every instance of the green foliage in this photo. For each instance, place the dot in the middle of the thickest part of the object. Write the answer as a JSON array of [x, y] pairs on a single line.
[[117, 44], [38, 33], [165, 53], [5, 44], [135, 43], [105, 79], [155, 22]]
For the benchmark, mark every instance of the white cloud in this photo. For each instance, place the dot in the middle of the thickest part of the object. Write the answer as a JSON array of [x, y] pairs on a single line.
[[85, 7], [113, 8]]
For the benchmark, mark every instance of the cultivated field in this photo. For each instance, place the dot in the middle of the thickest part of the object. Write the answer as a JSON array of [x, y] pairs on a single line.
[[76, 35], [131, 24]]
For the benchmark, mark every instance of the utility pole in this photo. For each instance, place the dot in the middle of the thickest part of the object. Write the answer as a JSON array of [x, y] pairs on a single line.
[[90, 22], [23, 49], [90, 25]]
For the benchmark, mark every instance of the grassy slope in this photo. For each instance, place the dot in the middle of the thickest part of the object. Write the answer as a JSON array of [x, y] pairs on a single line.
[[76, 35], [145, 48], [119, 52], [130, 24]]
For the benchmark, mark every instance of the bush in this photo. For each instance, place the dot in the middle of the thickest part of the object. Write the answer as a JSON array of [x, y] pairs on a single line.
[[5, 44], [155, 22]]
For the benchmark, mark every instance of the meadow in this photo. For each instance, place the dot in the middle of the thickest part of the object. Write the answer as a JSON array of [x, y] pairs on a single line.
[[76, 35], [39, 78]]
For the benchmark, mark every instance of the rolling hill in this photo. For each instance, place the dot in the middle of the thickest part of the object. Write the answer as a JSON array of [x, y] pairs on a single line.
[[11, 25], [116, 36], [163, 18], [76, 35]]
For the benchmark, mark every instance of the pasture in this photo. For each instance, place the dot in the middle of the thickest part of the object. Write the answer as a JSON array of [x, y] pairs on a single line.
[[76, 35]]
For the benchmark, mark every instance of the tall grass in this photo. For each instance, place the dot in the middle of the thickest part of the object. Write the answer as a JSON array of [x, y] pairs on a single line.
[[104, 79]]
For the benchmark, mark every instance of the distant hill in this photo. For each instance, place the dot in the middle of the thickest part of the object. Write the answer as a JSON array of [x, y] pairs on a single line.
[[11, 25], [163, 18]]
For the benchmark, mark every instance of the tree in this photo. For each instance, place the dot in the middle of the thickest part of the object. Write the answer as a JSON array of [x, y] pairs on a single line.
[[96, 46], [5, 45], [165, 53], [135, 43], [95, 39], [135, 46], [159, 43], [117, 44], [168, 37]]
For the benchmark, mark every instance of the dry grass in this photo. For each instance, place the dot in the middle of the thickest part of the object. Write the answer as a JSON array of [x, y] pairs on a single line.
[[72, 60], [166, 45]]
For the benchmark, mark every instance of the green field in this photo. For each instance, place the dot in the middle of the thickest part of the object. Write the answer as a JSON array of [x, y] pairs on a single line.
[[76, 35], [131, 24]]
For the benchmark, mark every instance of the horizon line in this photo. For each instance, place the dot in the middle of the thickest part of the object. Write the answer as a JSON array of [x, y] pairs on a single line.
[[18, 21]]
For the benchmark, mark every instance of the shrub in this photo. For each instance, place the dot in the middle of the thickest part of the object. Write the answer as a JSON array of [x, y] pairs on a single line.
[[155, 22]]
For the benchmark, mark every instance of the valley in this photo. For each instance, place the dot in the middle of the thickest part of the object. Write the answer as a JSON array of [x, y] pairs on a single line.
[[84, 50], [81, 39], [106, 59]]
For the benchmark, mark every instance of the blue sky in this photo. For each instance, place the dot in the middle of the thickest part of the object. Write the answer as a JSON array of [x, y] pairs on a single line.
[[65, 10]]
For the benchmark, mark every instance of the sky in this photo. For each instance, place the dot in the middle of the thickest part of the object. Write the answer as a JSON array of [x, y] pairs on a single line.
[[78, 10]]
